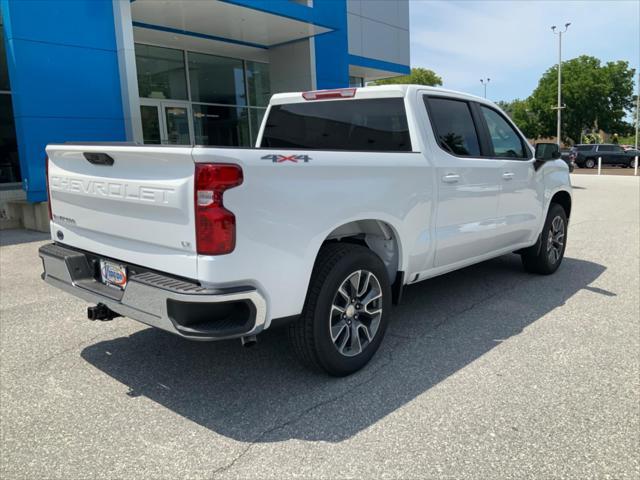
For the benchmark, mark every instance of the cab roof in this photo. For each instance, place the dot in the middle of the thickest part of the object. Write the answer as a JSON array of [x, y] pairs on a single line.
[[379, 91]]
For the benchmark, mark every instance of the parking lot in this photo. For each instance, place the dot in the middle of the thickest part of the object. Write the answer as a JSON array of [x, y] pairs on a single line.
[[488, 372]]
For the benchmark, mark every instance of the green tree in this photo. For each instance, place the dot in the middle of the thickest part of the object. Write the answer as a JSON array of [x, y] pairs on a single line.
[[522, 115], [596, 97], [418, 76]]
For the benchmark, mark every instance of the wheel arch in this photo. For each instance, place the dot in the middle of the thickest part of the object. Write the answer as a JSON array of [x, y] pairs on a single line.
[[562, 198], [379, 236]]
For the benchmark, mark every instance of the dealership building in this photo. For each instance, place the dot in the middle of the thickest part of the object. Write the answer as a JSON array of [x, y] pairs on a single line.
[[172, 71]]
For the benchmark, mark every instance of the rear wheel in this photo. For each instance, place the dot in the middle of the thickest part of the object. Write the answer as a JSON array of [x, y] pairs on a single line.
[[590, 163], [546, 257], [346, 310]]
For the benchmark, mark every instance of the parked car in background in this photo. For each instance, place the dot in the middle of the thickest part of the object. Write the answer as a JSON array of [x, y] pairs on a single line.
[[586, 156], [635, 154], [565, 154]]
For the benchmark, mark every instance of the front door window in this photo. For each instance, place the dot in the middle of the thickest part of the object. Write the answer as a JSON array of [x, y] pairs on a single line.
[[505, 140]]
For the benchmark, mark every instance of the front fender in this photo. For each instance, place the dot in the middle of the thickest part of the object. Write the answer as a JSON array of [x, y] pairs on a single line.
[[556, 179]]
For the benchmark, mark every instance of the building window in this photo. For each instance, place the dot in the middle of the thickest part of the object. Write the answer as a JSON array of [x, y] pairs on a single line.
[[221, 126], [150, 124], [227, 96], [4, 71], [161, 72], [216, 79], [356, 82], [9, 164], [258, 84]]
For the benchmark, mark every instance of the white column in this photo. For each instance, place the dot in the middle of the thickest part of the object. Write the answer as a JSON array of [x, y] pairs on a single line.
[[127, 66]]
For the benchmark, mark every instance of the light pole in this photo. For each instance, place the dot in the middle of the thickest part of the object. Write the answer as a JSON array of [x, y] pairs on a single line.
[[636, 166], [560, 107], [485, 82]]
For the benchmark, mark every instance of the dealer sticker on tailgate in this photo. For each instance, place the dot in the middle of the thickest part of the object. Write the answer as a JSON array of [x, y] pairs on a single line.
[[113, 274]]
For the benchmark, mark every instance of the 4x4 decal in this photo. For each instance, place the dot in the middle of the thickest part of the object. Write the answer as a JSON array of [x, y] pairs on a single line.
[[286, 158]]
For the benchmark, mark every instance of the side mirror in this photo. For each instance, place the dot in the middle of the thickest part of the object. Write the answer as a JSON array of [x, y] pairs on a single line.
[[547, 151]]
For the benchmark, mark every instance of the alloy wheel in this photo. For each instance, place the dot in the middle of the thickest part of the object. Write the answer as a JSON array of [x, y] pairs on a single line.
[[356, 312], [555, 240]]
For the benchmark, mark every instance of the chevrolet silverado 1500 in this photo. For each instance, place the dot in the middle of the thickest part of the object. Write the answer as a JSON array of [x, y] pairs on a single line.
[[349, 196]]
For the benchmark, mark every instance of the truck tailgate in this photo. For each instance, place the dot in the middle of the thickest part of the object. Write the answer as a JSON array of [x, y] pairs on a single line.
[[137, 208]]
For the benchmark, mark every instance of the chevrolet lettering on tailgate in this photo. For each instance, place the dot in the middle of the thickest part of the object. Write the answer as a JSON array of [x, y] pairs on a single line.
[[111, 189]]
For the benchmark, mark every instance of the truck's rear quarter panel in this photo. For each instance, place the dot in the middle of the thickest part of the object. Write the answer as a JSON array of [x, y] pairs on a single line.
[[285, 210]]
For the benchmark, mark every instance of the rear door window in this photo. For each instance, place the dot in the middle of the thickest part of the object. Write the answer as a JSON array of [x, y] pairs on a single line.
[[453, 126], [378, 125]]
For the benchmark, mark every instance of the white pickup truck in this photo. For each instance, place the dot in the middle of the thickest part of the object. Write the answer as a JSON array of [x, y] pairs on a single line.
[[349, 195]]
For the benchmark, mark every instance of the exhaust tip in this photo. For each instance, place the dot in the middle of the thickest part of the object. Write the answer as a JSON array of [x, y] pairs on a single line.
[[248, 341]]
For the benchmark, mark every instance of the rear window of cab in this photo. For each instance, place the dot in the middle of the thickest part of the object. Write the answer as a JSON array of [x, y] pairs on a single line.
[[371, 125]]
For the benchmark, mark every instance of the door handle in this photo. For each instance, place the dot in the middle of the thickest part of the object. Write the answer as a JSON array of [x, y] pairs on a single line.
[[451, 178], [507, 175]]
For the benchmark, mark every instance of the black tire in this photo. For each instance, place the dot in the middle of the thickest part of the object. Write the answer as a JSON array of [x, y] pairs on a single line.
[[590, 163], [539, 258], [310, 335]]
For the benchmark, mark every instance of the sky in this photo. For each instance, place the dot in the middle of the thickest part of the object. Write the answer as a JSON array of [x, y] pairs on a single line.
[[511, 41]]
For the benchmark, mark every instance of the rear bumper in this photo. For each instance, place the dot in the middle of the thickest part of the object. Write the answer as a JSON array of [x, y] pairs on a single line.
[[178, 306]]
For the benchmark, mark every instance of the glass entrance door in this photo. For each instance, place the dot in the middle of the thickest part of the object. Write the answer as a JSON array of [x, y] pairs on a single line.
[[166, 122], [151, 124], [177, 123]]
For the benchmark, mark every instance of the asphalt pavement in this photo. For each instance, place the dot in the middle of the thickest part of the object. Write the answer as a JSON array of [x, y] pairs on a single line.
[[485, 373]]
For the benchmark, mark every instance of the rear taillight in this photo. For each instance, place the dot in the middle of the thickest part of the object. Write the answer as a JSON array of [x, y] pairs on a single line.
[[46, 174], [215, 225]]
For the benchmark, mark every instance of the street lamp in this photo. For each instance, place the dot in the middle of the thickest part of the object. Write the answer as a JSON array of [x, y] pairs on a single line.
[[557, 31], [636, 166], [485, 82]]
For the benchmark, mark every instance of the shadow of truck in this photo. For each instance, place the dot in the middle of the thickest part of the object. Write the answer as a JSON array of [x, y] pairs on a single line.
[[263, 395]]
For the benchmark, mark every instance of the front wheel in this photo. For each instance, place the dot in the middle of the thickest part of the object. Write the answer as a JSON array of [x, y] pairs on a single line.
[[546, 257], [346, 310]]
